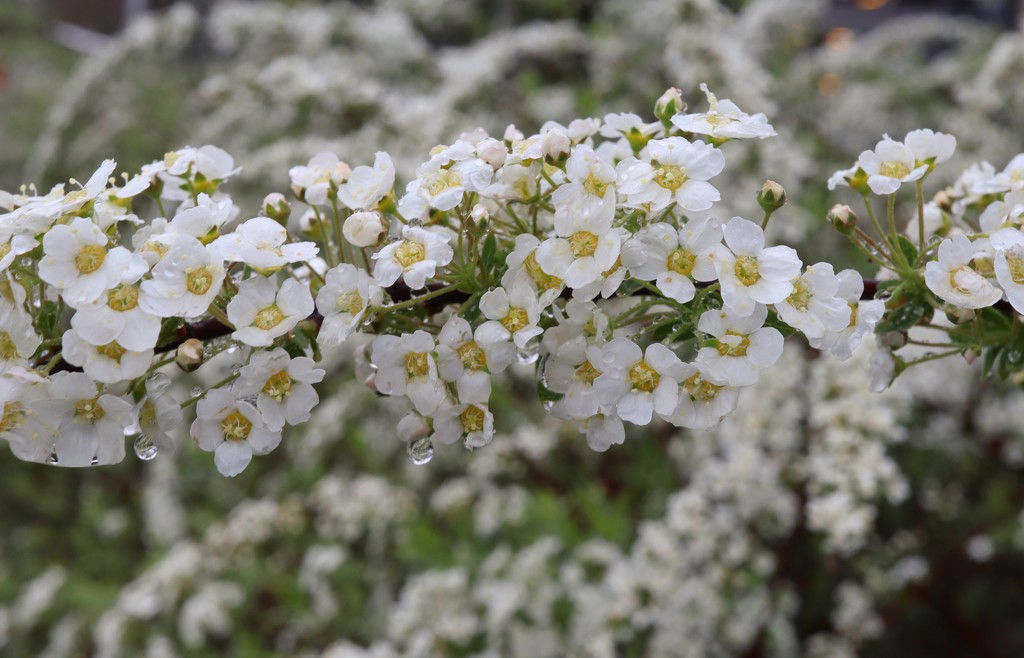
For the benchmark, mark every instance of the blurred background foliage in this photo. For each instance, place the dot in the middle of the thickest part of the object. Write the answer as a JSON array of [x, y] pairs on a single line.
[[824, 522]]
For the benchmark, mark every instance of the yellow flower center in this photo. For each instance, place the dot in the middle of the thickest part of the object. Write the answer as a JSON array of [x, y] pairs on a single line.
[[1016, 265], [746, 270], [13, 417], [440, 181], [595, 186], [199, 280], [268, 318], [278, 385], [236, 427], [800, 298], [472, 357], [728, 348], [350, 302], [701, 389], [587, 373], [409, 253], [583, 244], [681, 261], [893, 169], [417, 364], [670, 177], [643, 377], [112, 351], [473, 418], [89, 410], [90, 258], [516, 319], [543, 280], [8, 350], [123, 298]]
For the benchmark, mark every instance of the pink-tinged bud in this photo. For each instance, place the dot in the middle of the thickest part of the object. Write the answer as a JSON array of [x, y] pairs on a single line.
[[512, 134], [479, 213], [555, 145], [843, 218], [670, 104], [277, 208], [492, 152], [189, 355], [363, 229]]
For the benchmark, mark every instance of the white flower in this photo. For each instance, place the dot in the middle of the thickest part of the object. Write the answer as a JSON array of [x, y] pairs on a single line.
[[742, 347], [749, 273], [814, 306], [405, 366], [312, 183], [38, 214], [14, 245], [864, 315], [204, 220], [109, 363], [86, 426], [604, 430], [77, 262], [584, 250], [929, 146], [343, 300], [363, 229], [18, 338], [671, 258], [628, 126], [572, 372], [677, 172], [474, 421], [636, 383], [260, 312], [282, 386], [26, 430], [702, 403], [366, 186], [185, 281], [724, 120], [442, 187], [260, 243], [1009, 265], [522, 267], [159, 413], [468, 358], [512, 314], [233, 430], [936, 222], [415, 258], [952, 278], [1001, 213], [890, 165], [589, 190], [117, 315]]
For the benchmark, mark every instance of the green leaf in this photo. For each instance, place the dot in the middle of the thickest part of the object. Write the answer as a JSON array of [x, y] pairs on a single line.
[[908, 249], [903, 317], [48, 319], [489, 252]]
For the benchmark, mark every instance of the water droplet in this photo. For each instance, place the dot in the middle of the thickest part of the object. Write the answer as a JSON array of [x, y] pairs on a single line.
[[529, 354], [548, 404], [197, 391], [145, 449], [232, 349], [53, 458], [415, 222], [420, 451], [95, 461], [235, 369]]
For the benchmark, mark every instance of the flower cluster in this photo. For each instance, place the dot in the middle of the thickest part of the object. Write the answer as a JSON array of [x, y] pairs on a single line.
[[594, 248], [959, 264]]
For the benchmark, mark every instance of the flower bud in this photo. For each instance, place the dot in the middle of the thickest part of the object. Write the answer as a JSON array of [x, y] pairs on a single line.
[[363, 229], [971, 355], [670, 104], [843, 218], [944, 199], [492, 152], [555, 145], [958, 315], [479, 213], [277, 208], [512, 134], [771, 197], [189, 355]]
